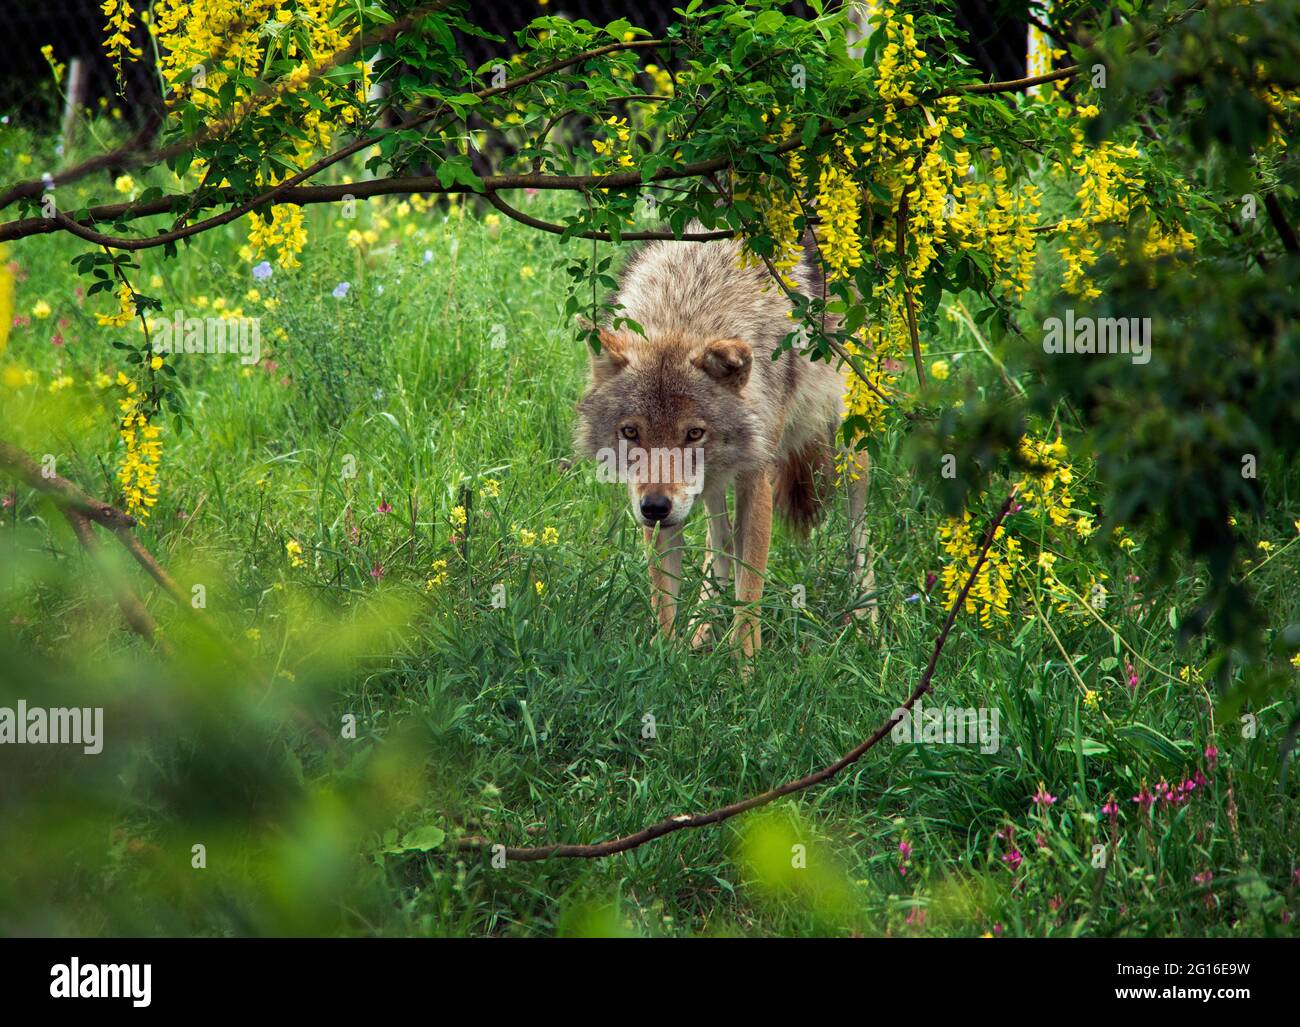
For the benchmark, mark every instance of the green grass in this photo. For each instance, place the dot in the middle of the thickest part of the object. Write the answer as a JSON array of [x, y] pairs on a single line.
[[524, 724]]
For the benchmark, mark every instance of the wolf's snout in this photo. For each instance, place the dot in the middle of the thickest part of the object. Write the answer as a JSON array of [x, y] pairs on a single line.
[[656, 507]]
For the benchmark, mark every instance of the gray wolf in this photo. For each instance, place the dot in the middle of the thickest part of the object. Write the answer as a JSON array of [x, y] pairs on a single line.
[[694, 405]]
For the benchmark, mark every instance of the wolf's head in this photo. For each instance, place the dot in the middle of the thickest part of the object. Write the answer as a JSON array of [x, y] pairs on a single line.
[[668, 417]]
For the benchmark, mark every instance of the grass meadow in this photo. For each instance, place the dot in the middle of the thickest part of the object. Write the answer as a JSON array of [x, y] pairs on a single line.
[[392, 542]]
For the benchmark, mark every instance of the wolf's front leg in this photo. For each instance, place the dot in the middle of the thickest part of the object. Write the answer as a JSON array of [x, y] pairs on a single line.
[[754, 518], [665, 573], [860, 555], [717, 566]]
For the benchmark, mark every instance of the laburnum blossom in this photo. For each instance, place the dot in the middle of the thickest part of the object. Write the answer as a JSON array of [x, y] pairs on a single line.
[[137, 474], [117, 31]]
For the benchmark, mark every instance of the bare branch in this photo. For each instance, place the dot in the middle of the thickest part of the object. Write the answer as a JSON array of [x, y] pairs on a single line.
[[61, 490], [548, 226]]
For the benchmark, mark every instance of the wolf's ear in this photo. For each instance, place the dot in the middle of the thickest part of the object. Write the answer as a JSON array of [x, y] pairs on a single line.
[[726, 361], [612, 357]]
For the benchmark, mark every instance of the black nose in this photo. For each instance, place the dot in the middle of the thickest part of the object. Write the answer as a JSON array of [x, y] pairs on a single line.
[[656, 507]]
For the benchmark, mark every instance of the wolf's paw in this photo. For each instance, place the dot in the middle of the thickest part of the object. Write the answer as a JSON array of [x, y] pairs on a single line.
[[861, 615]]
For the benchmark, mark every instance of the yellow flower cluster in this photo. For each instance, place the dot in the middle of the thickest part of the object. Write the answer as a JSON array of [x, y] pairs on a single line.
[[549, 537], [1111, 191], [991, 591], [6, 299], [780, 214], [663, 80], [881, 351], [57, 67], [439, 571], [137, 474], [125, 310], [778, 207], [900, 59], [1039, 53], [16, 376], [204, 42], [117, 32], [1045, 494], [1046, 490], [284, 233], [617, 143], [839, 208], [1000, 223]]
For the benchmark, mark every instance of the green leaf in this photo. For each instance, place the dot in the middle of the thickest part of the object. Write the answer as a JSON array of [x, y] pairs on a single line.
[[1083, 746], [1148, 738], [456, 170], [422, 839]]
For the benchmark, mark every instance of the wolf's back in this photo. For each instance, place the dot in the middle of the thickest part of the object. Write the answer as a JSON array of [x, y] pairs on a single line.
[[700, 290]]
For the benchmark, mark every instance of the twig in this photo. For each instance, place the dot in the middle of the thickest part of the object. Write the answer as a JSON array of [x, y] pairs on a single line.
[[63, 492], [546, 226], [1283, 226], [81, 510], [137, 617]]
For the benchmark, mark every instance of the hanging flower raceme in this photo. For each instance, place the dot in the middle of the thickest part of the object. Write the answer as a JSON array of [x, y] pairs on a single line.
[[137, 474], [117, 32], [1111, 193], [1045, 496], [217, 56], [125, 309], [991, 591], [778, 204], [6, 299], [839, 211]]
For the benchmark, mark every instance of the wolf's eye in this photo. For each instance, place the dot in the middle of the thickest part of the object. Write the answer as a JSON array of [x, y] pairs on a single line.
[[694, 434], [628, 431]]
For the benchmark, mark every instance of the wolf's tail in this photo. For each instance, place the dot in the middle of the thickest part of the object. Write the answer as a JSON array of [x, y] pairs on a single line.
[[803, 484]]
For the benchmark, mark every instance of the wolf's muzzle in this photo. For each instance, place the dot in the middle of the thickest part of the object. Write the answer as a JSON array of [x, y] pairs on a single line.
[[656, 507]]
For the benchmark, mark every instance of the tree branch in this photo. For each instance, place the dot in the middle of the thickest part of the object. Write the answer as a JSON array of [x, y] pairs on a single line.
[[289, 192], [1280, 223], [548, 226], [62, 491], [137, 617]]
